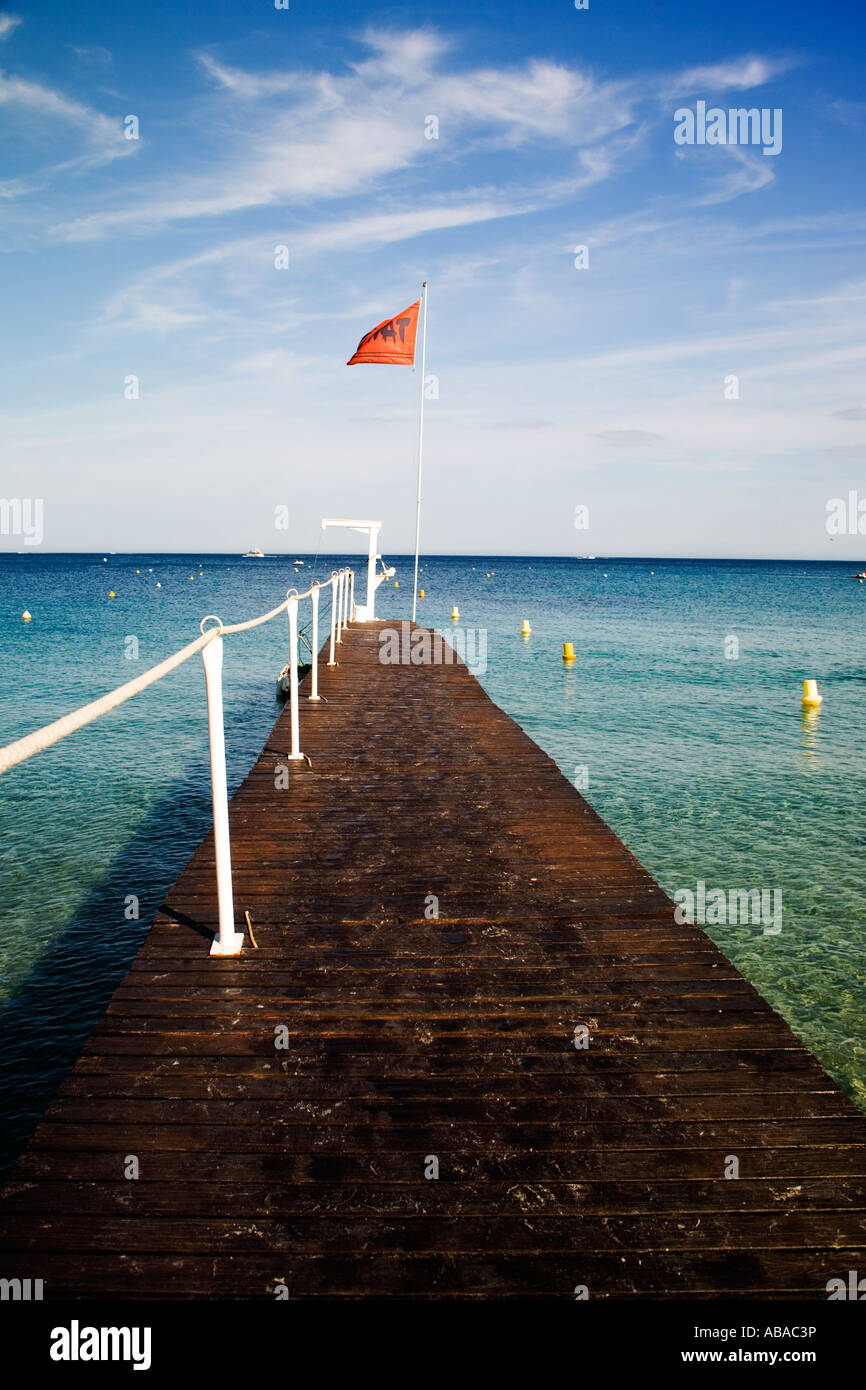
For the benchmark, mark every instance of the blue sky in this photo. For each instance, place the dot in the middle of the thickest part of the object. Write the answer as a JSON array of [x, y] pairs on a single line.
[[558, 387]]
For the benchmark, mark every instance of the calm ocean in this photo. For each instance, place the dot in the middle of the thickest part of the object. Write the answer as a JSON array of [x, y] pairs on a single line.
[[703, 763]]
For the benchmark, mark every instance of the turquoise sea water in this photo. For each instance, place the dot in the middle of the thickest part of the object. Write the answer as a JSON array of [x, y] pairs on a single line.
[[703, 763]]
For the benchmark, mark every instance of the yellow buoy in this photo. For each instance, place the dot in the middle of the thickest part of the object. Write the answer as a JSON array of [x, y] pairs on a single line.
[[138, 571], [568, 651], [396, 583], [420, 593], [810, 693], [112, 594], [455, 612], [27, 616], [525, 629]]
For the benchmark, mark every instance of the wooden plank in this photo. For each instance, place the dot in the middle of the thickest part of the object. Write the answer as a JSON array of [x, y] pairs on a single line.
[[411, 1035], [76, 1196]]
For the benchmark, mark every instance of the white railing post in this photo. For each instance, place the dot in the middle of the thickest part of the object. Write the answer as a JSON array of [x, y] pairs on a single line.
[[314, 673], [227, 942], [331, 660], [351, 596], [340, 582], [293, 674], [371, 574]]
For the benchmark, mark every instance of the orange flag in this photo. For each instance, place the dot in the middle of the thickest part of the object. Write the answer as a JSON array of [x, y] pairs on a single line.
[[392, 341]]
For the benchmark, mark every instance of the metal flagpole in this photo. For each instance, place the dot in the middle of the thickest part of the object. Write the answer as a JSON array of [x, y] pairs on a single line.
[[420, 452]]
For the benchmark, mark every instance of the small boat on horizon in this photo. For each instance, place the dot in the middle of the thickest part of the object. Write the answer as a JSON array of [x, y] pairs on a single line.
[[253, 554]]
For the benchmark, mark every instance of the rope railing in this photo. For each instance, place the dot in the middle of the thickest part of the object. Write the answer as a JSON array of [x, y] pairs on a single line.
[[40, 739], [210, 644]]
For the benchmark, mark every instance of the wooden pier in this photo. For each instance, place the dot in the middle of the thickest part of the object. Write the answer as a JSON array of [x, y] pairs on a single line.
[[419, 1043]]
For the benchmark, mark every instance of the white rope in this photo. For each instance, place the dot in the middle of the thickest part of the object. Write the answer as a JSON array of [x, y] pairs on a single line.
[[266, 617], [256, 622], [52, 733], [43, 738]]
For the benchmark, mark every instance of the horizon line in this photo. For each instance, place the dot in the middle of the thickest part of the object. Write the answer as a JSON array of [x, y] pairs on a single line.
[[440, 555]]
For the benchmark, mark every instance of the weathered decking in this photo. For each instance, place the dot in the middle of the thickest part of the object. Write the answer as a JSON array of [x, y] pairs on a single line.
[[411, 1037]]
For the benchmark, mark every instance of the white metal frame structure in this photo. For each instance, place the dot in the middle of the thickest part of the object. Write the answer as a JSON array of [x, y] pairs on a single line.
[[363, 613]]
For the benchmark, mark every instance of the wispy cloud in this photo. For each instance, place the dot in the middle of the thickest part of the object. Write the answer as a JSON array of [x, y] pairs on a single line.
[[630, 437], [276, 362], [297, 136], [737, 74], [248, 85], [749, 174], [849, 113], [299, 140], [164, 297], [42, 110], [8, 22], [292, 137], [93, 54]]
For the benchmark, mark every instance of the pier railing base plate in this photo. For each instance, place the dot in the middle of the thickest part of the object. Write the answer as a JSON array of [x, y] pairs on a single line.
[[233, 948]]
